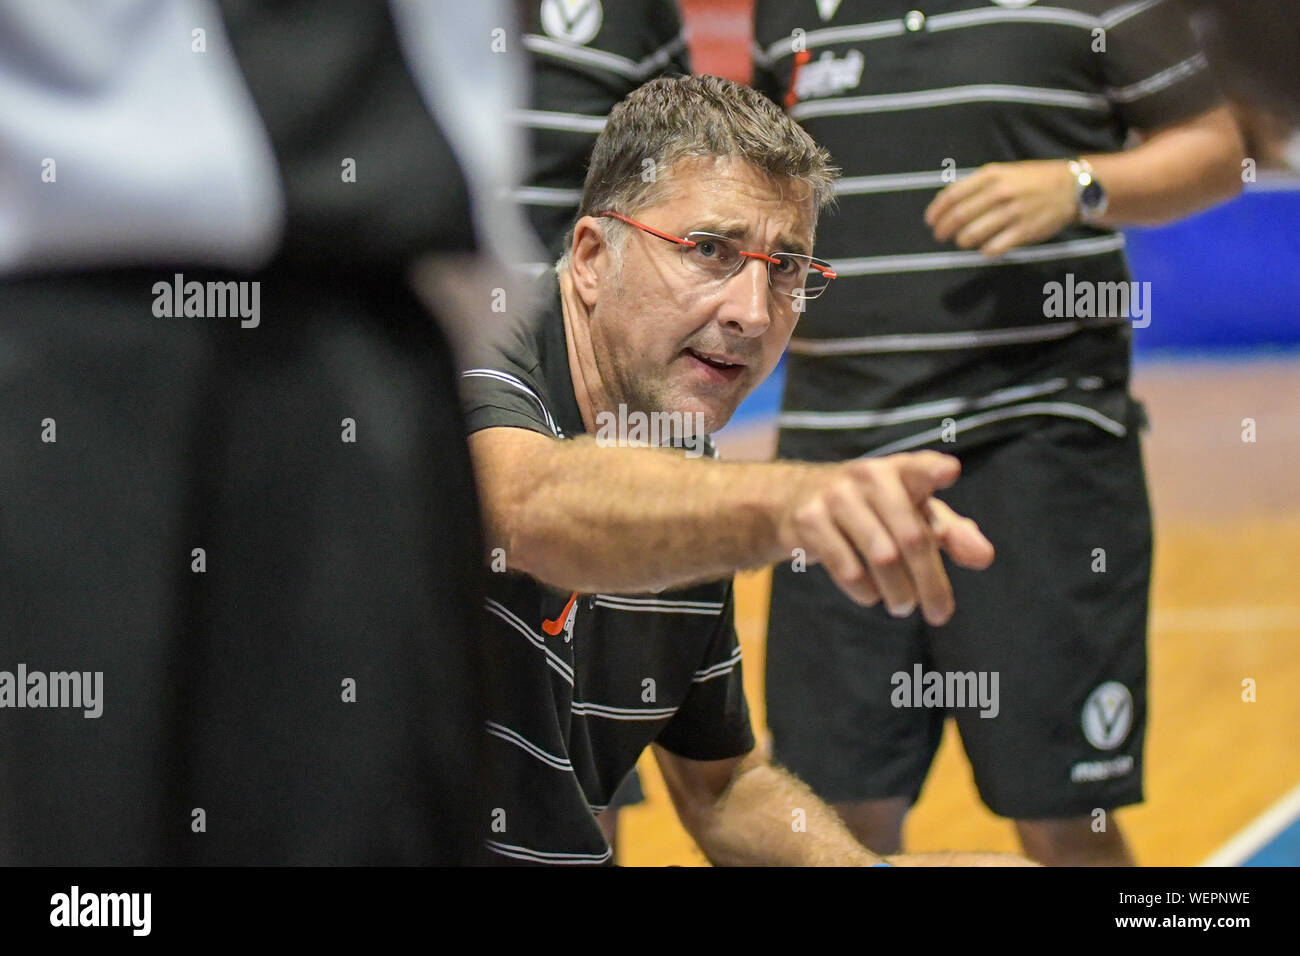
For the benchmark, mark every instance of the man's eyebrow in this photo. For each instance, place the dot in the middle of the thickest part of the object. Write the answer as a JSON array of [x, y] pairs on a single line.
[[789, 244], [731, 229], [740, 231]]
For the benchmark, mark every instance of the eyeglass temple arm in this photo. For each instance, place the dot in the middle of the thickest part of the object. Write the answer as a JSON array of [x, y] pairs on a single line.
[[688, 243]]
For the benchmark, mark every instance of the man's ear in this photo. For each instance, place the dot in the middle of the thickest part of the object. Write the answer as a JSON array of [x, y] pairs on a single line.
[[588, 258]]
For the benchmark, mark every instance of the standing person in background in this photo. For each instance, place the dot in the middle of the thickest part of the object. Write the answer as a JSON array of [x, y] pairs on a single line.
[[584, 58], [986, 150]]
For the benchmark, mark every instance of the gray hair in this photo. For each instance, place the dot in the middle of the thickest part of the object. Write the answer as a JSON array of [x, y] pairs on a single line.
[[681, 117]]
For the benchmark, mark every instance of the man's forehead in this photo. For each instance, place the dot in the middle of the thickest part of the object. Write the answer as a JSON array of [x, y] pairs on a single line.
[[731, 196]]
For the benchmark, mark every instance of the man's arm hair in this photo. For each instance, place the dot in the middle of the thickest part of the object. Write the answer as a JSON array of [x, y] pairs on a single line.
[[582, 517], [747, 812]]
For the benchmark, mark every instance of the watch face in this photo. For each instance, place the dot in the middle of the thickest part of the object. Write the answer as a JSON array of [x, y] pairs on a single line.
[[1093, 195]]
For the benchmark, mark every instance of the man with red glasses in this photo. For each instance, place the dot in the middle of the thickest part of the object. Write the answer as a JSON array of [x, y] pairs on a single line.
[[687, 268]]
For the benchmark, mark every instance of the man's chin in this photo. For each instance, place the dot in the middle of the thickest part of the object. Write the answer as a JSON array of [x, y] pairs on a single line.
[[713, 408], [711, 415]]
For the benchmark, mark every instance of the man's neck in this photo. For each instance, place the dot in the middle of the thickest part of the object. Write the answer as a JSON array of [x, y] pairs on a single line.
[[587, 387]]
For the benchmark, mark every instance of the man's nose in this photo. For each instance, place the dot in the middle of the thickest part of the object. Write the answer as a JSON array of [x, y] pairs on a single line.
[[747, 303]]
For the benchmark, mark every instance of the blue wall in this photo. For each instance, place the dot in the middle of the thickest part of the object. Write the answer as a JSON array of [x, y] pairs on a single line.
[[1226, 279]]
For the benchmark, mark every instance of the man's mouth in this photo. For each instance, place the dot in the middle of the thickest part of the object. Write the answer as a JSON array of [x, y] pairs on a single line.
[[717, 366]]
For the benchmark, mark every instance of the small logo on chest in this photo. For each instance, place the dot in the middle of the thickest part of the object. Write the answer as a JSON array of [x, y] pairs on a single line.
[[828, 75], [564, 620]]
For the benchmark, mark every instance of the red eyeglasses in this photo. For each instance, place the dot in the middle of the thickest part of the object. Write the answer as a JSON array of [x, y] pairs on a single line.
[[718, 258]]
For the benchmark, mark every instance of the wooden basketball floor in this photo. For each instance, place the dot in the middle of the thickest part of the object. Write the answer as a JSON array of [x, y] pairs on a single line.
[[1226, 607]]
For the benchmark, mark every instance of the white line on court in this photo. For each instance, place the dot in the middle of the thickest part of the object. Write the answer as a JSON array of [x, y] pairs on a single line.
[[1257, 833]]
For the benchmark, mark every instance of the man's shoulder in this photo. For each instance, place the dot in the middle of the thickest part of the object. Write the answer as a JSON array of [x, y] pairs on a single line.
[[505, 382]]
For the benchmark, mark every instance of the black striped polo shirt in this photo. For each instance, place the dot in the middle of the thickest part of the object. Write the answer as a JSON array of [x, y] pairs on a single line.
[[588, 681], [585, 56], [908, 95]]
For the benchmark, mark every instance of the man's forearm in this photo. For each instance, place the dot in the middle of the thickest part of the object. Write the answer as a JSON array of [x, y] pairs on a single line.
[[593, 518], [1174, 173], [583, 517], [769, 818]]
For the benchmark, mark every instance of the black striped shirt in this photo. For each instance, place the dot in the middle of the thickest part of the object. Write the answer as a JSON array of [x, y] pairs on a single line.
[[586, 693], [915, 332]]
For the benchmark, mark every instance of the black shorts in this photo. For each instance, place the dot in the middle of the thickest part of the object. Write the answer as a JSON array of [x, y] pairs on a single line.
[[854, 701]]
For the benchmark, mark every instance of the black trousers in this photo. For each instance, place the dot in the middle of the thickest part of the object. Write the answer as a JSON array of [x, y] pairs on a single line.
[[306, 689]]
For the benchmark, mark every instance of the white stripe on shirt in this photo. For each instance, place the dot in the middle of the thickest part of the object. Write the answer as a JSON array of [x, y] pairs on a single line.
[[1160, 81], [1113, 18], [553, 660], [526, 745], [940, 21], [656, 605], [898, 182], [517, 852], [921, 411], [949, 96], [547, 196], [565, 122], [848, 34], [981, 17], [974, 259], [1059, 409], [613, 62], [936, 341], [718, 669], [581, 708], [516, 383]]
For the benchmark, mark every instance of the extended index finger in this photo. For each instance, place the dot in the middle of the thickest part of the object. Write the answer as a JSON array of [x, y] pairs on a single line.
[[907, 523], [925, 472]]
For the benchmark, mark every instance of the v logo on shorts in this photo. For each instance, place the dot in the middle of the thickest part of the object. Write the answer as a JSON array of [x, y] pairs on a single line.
[[1108, 715]]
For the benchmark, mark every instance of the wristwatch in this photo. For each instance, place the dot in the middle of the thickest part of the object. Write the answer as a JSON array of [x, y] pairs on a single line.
[[1090, 195]]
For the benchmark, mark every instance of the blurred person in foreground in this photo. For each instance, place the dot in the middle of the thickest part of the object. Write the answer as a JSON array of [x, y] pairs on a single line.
[[236, 507]]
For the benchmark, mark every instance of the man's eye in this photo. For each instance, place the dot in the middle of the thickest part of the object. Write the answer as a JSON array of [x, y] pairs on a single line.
[[707, 248], [786, 266]]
